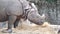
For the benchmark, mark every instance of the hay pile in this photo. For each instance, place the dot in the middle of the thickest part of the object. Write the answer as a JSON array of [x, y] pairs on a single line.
[[36, 29], [32, 29]]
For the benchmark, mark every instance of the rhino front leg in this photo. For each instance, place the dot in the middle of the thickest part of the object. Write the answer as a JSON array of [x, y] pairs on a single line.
[[11, 20], [34, 17]]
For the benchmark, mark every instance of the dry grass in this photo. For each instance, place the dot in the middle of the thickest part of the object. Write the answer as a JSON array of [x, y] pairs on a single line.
[[33, 29], [40, 29]]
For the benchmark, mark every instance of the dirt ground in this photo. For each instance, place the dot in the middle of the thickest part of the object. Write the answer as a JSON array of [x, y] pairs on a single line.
[[35, 29], [27, 28]]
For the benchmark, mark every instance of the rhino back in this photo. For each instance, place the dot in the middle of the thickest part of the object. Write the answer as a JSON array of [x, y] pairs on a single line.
[[11, 7]]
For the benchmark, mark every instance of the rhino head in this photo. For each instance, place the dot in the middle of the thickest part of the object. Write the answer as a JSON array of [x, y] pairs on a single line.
[[32, 13], [35, 17]]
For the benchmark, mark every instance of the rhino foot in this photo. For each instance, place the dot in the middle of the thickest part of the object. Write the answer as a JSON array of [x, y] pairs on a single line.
[[7, 31]]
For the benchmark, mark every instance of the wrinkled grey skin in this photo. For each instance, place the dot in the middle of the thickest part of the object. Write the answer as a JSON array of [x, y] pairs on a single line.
[[13, 10]]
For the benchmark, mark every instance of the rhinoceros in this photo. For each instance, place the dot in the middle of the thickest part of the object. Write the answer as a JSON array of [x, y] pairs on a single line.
[[13, 10]]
